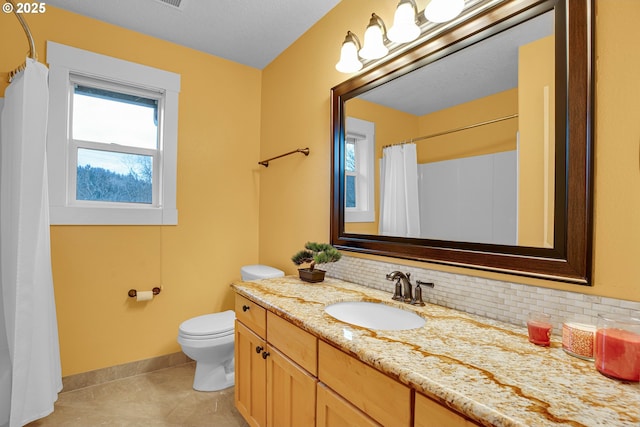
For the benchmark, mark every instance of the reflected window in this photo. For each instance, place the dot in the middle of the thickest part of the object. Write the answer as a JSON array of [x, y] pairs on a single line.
[[359, 173], [350, 173]]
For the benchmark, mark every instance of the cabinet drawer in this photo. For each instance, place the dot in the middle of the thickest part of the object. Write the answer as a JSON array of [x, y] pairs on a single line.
[[429, 413], [382, 398], [251, 315], [297, 344]]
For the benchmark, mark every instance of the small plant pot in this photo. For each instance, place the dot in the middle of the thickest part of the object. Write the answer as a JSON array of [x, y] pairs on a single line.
[[311, 276]]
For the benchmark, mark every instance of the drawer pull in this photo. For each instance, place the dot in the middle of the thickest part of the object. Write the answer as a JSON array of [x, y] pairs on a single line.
[[245, 307], [265, 354], [259, 349]]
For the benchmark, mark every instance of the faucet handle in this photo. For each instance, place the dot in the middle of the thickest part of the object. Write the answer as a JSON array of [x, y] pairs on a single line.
[[427, 284], [397, 294], [417, 298]]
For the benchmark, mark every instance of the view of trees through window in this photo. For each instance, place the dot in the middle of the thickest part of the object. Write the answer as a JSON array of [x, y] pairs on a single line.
[[131, 181]]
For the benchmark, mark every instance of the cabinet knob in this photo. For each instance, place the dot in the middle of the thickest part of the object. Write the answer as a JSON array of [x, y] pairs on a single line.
[[245, 307], [259, 349], [265, 354]]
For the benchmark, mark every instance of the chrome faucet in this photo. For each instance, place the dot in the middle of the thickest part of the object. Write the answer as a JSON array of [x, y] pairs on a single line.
[[404, 289]]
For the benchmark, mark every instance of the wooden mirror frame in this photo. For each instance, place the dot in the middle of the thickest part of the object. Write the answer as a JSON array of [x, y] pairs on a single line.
[[570, 258]]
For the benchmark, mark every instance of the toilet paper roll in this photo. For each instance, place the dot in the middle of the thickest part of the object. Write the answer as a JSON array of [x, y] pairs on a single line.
[[144, 295]]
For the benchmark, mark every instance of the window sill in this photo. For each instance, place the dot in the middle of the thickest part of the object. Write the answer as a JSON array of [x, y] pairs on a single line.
[[71, 215]]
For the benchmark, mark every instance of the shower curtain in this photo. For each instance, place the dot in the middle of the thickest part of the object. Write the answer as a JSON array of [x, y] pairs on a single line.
[[399, 204], [30, 374]]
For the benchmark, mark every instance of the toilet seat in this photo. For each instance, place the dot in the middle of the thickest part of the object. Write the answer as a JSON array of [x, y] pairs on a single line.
[[208, 326]]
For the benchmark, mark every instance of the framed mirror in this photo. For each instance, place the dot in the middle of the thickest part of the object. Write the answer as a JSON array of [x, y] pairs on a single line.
[[474, 147]]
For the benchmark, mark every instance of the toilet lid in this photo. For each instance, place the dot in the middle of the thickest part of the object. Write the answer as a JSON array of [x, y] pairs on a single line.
[[209, 324]]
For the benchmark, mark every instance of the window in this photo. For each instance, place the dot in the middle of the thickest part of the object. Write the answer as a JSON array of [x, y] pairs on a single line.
[[112, 144], [350, 172], [359, 173]]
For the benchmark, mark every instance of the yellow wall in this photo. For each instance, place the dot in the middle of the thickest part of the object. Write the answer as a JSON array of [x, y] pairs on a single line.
[[536, 154], [217, 196], [477, 141], [303, 185]]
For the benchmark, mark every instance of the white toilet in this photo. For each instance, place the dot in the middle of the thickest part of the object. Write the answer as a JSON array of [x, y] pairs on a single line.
[[258, 271], [208, 339]]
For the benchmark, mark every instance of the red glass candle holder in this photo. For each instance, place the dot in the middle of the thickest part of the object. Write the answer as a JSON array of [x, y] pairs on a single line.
[[539, 327], [617, 347]]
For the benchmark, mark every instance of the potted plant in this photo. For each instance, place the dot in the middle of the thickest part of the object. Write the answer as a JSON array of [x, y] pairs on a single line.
[[315, 253]]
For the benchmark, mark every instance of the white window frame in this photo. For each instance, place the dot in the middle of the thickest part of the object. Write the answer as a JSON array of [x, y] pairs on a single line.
[[364, 133], [66, 65]]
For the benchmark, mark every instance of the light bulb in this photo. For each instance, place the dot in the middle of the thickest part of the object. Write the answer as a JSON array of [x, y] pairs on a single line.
[[443, 10], [374, 47], [349, 62], [404, 27]]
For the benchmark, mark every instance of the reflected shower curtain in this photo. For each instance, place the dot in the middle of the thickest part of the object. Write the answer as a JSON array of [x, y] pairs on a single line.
[[399, 205], [30, 374]]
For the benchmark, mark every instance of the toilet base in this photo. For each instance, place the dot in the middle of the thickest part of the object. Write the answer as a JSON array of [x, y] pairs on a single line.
[[213, 377]]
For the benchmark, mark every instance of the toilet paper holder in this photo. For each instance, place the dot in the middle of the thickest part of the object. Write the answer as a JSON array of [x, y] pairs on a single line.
[[133, 293]]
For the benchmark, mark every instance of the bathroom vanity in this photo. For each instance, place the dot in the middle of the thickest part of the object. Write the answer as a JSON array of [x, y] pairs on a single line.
[[298, 366]]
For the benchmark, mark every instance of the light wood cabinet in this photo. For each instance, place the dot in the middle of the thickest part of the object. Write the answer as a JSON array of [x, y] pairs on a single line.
[[299, 345], [429, 413], [273, 389], [250, 376], [252, 315], [291, 392], [334, 411], [286, 377], [382, 398]]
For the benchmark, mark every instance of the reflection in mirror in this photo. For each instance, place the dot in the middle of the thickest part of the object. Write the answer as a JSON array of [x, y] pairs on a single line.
[[463, 150], [465, 144]]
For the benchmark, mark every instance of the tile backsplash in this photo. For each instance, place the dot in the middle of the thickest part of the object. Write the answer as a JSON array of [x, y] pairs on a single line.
[[495, 299]]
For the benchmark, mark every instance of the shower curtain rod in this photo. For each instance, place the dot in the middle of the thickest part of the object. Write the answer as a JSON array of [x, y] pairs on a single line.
[[446, 132], [32, 45]]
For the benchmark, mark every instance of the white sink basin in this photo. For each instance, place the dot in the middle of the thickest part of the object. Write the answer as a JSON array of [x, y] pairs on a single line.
[[374, 315]]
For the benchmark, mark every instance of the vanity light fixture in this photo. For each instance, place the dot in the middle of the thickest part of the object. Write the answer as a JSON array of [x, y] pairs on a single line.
[[408, 25], [404, 28], [443, 10], [349, 61], [374, 36]]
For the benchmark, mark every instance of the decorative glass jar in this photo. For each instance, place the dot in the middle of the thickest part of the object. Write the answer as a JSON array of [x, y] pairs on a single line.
[[617, 347], [578, 338]]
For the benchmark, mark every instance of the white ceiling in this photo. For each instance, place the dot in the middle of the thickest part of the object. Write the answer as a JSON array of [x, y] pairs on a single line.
[[251, 32]]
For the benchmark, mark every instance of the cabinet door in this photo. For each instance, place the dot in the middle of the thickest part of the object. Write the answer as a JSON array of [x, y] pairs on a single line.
[[250, 376], [429, 413], [334, 411], [291, 393]]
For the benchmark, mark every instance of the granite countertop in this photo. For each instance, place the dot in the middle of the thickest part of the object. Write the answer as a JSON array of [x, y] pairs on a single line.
[[482, 368]]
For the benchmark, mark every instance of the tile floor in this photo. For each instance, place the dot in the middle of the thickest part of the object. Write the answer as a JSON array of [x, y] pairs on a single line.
[[163, 398]]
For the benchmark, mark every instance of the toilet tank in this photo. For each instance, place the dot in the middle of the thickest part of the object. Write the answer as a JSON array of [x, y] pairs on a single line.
[[258, 271]]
